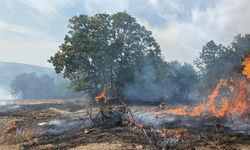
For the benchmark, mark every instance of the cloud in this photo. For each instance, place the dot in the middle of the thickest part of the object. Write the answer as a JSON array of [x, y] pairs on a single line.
[[183, 39], [181, 27], [34, 51], [24, 45], [47, 7], [173, 23], [109, 6], [30, 31]]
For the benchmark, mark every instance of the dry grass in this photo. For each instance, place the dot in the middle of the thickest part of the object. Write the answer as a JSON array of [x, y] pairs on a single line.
[[4, 124], [114, 145], [11, 139]]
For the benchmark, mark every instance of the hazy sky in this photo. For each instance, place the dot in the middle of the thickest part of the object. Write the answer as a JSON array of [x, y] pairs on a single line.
[[31, 30]]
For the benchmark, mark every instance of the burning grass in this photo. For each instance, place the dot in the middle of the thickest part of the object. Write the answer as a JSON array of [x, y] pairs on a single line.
[[237, 103]]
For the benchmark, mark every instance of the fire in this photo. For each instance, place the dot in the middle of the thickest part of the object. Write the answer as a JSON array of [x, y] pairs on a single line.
[[179, 111], [236, 103], [177, 135], [199, 109], [171, 133], [240, 107], [246, 70], [224, 109], [212, 97], [102, 96]]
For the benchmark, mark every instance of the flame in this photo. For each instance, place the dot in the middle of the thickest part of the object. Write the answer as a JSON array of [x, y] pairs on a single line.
[[199, 109], [166, 133], [237, 103], [179, 111], [102, 96], [246, 64], [240, 107], [177, 135], [234, 104], [223, 111], [212, 97]]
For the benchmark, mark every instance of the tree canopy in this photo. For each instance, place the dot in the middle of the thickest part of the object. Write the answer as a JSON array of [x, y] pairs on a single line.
[[104, 49]]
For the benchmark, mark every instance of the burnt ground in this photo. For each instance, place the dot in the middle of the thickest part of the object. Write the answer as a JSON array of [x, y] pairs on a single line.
[[60, 124]]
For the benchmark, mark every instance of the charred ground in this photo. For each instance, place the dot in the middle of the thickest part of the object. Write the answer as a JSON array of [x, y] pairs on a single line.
[[58, 124]]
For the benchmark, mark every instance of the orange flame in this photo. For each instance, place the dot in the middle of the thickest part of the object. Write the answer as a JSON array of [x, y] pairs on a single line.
[[236, 103], [224, 109], [102, 96], [179, 111], [246, 64], [212, 97], [177, 135], [199, 109]]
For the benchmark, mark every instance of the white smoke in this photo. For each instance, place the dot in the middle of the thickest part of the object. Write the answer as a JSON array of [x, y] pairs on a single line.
[[57, 126], [6, 100], [239, 125], [5, 94], [149, 119], [52, 122]]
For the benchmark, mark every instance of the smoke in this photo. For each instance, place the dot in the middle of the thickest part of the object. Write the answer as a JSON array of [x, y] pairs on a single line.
[[150, 120], [6, 100], [171, 83], [7, 105], [238, 125], [145, 87], [58, 126], [52, 122], [5, 94]]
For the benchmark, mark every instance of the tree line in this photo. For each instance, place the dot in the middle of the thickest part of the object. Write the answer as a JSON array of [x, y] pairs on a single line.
[[33, 86]]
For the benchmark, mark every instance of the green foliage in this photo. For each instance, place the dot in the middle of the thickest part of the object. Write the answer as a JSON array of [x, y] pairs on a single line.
[[104, 49], [217, 61], [115, 51], [181, 80]]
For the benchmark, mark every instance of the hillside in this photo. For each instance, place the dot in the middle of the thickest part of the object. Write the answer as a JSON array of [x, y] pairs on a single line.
[[9, 70]]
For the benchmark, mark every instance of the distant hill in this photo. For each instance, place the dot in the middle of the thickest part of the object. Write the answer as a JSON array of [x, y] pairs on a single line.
[[8, 71]]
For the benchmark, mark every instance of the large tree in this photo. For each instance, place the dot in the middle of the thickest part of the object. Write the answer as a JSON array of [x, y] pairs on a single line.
[[104, 50]]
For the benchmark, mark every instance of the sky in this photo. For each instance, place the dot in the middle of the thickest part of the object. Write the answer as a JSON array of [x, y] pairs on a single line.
[[32, 30]]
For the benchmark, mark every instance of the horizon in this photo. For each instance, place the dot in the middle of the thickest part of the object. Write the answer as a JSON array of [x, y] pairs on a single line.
[[33, 65]]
